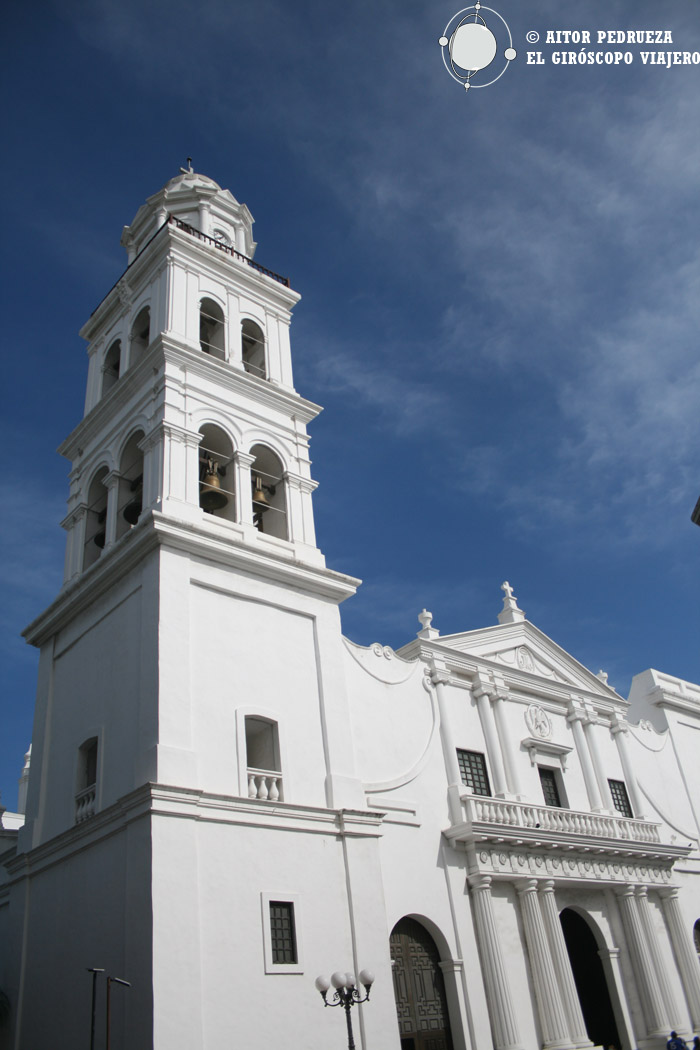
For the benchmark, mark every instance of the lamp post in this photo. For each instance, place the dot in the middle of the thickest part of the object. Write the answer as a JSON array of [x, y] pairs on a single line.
[[346, 994], [110, 982], [94, 970]]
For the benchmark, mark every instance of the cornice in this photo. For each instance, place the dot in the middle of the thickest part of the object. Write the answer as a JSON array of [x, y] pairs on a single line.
[[159, 530], [164, 800]]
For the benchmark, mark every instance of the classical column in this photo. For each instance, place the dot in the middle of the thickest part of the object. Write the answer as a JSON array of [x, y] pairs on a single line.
[[575, 717], [482, 691], [686, 959], [244, 497], [589, 727], [553, 1022], [619, 730], [300, 509], [650, 993], [562, 965], [511, 767], [504, 1024], [111, 483], [440, 677], [655, 953]]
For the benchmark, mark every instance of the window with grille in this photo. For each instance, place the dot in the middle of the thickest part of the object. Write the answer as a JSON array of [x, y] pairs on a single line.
[[282, 932], [472, 766], [620, 797], [550, 788]]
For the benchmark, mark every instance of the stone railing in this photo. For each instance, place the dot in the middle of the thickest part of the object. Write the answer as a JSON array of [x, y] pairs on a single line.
[[85, 803], [494, 811], [265, 784]]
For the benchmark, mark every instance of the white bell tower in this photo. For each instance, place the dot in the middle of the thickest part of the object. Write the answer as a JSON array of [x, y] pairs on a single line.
[[191, 686]]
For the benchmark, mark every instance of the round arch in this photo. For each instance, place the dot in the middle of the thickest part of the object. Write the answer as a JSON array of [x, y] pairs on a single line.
[[584, 941], [267, 476], [419, 987]]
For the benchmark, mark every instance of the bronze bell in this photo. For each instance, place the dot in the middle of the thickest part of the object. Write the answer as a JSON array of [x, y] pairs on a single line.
[[132, 511], [259, 495], [211, 497]]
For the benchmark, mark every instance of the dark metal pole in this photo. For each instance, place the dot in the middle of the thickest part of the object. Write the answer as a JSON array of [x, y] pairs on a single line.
[[94, 970], [348, 1004], [109, 1012]]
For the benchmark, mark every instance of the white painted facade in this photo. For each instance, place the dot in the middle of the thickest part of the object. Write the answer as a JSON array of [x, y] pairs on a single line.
[[206, 742]]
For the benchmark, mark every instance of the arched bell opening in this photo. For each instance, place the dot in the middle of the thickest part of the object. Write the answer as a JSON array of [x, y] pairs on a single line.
[[268, 491], [589, 976], [419, 988], [217, 493], [696, 937], [111, 367], [96, 519], [130, 498], [140, 335], [211, 329], [253, 349]]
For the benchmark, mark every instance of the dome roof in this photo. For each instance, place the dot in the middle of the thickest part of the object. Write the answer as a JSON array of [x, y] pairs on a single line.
[[189, 180]]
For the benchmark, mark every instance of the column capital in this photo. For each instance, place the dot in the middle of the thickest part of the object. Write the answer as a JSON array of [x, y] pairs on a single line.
[[482, 686], [244, 459], [575, 711], [625, 891], [618, 724], [112, 479], [546, 886], [296, 481], [439, 676], [668, 893], [523, 886], [479, 882]]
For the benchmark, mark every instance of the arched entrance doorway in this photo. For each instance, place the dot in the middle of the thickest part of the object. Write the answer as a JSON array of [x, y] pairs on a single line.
[[419, 988], [591, 984]]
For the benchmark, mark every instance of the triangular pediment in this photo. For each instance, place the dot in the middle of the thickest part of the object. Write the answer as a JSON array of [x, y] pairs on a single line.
[[522, 648]]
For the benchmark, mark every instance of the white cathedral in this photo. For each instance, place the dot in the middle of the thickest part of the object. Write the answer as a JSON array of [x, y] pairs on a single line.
[[228, 798]]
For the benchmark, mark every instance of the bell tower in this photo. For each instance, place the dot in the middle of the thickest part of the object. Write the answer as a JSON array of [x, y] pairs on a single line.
[[191, 669]]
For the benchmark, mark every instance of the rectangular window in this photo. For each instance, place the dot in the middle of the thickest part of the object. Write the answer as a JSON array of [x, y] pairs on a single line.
[[282, 925], [550, 788], [282, 933], [472, 766], [620, 797]]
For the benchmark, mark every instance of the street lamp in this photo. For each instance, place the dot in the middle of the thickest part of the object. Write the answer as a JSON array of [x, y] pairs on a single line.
[[346, 994], [110, 982], [94, 970]]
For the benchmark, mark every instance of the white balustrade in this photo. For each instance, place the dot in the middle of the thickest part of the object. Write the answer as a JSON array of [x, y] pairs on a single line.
[[85, 803], [265, 784], [482, 810]]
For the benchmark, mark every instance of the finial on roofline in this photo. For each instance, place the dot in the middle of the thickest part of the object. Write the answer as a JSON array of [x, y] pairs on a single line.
[[510, 613], [426, 618]]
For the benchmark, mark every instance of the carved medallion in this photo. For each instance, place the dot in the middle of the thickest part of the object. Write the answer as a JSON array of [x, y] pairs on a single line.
[[538, 722]]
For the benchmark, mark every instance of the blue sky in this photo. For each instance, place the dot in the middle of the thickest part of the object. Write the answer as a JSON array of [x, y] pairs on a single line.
[[500, 298]]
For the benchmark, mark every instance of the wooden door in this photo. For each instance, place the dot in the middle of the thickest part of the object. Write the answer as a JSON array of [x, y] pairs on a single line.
[[419, 989]]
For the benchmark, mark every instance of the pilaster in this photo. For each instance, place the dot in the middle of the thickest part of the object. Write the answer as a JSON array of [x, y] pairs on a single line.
[[576, 717], [562, 965], [440, 677], [244, 497], [553, 1022], [619, 731], [686, 959], [504, 1023], [482, 690], [650, 994]]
